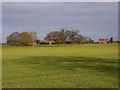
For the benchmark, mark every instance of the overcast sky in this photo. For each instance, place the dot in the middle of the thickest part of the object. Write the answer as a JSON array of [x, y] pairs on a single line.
[[92, 19]]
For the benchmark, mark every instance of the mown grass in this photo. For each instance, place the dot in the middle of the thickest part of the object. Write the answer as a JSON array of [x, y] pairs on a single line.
[[61, 66]]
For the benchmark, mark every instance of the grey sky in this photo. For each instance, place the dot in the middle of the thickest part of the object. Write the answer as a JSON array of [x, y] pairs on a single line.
[[60, 1], [92, 19]]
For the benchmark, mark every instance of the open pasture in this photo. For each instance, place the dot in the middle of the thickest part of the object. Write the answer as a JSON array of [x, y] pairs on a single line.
[[60, 66]]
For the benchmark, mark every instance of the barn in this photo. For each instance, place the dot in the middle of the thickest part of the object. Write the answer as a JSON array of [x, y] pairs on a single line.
[[102, 41]]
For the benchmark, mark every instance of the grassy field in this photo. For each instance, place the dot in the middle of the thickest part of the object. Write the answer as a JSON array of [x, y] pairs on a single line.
[[63, 66]]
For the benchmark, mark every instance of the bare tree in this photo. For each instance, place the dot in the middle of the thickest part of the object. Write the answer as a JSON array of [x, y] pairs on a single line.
[[14, 39], [111, 40], [67, 35]]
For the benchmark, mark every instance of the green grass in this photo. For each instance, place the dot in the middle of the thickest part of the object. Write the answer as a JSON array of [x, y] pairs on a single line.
[[63, 66]]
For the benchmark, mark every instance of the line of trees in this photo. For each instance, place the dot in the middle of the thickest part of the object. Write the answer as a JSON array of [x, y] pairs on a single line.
[[62, 36]]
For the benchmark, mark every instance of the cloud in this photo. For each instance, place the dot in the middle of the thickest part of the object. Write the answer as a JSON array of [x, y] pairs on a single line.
[[61, 1], [93, 19]]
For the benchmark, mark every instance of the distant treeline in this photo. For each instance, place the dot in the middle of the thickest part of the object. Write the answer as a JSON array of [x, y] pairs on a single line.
[[62, 36]]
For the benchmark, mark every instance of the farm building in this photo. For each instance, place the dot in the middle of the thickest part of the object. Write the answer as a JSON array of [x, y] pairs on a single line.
[[50, 41], [102, 41]]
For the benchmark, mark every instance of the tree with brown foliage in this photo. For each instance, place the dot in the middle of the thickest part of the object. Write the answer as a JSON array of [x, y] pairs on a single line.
[[22, 39]]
